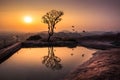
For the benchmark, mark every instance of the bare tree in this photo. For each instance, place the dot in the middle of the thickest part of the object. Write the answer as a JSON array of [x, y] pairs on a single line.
[[52, 18]]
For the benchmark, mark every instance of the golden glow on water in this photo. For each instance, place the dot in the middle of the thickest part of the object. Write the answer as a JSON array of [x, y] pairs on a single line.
[[34, 55], [52, 62]]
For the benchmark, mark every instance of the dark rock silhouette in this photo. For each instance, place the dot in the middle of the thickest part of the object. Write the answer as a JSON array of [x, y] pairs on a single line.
[[35, 37]]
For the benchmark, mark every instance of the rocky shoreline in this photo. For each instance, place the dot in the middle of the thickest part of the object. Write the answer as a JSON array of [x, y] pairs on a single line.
[[47, 44], [102, 45], [104, 65]]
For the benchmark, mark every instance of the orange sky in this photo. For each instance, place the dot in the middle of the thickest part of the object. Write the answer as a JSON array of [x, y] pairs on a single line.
[[84, 15]]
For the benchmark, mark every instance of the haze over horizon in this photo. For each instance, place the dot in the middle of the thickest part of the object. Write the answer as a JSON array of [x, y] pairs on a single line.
[[89, 15]]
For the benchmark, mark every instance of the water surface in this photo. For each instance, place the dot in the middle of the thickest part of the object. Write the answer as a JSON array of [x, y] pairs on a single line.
[[43, 63]]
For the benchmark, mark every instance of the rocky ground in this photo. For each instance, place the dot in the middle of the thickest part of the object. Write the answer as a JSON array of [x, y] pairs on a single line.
[[104, 65], [103, 45]]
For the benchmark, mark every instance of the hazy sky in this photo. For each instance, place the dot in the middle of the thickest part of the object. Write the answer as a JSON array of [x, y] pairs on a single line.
[[90, 15]]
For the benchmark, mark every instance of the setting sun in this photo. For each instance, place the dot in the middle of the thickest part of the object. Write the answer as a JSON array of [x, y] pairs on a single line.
[[27, 19]]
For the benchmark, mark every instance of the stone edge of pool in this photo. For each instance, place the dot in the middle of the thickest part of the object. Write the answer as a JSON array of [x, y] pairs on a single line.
[[7, 52]]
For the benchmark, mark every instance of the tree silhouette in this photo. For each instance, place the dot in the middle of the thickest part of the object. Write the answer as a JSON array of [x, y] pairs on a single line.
[[52, 61], [52, 18]]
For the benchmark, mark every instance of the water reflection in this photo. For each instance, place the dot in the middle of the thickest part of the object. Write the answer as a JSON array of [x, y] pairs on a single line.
[[37, 63], [51, 61]]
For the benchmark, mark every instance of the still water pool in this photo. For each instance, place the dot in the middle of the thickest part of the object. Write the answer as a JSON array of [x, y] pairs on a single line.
[[50, 63]]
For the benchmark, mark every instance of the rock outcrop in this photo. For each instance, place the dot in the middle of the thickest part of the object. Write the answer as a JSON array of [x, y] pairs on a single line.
[[104, 65]]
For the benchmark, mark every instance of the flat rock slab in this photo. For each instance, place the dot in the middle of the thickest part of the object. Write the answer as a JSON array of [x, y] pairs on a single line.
[[104, 65]]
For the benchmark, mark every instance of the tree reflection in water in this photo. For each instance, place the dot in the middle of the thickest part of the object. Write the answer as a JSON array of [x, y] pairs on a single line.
[[52, 61]]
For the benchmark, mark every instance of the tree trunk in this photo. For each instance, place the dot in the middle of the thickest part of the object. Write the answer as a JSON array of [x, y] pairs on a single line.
[[50, 32]]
